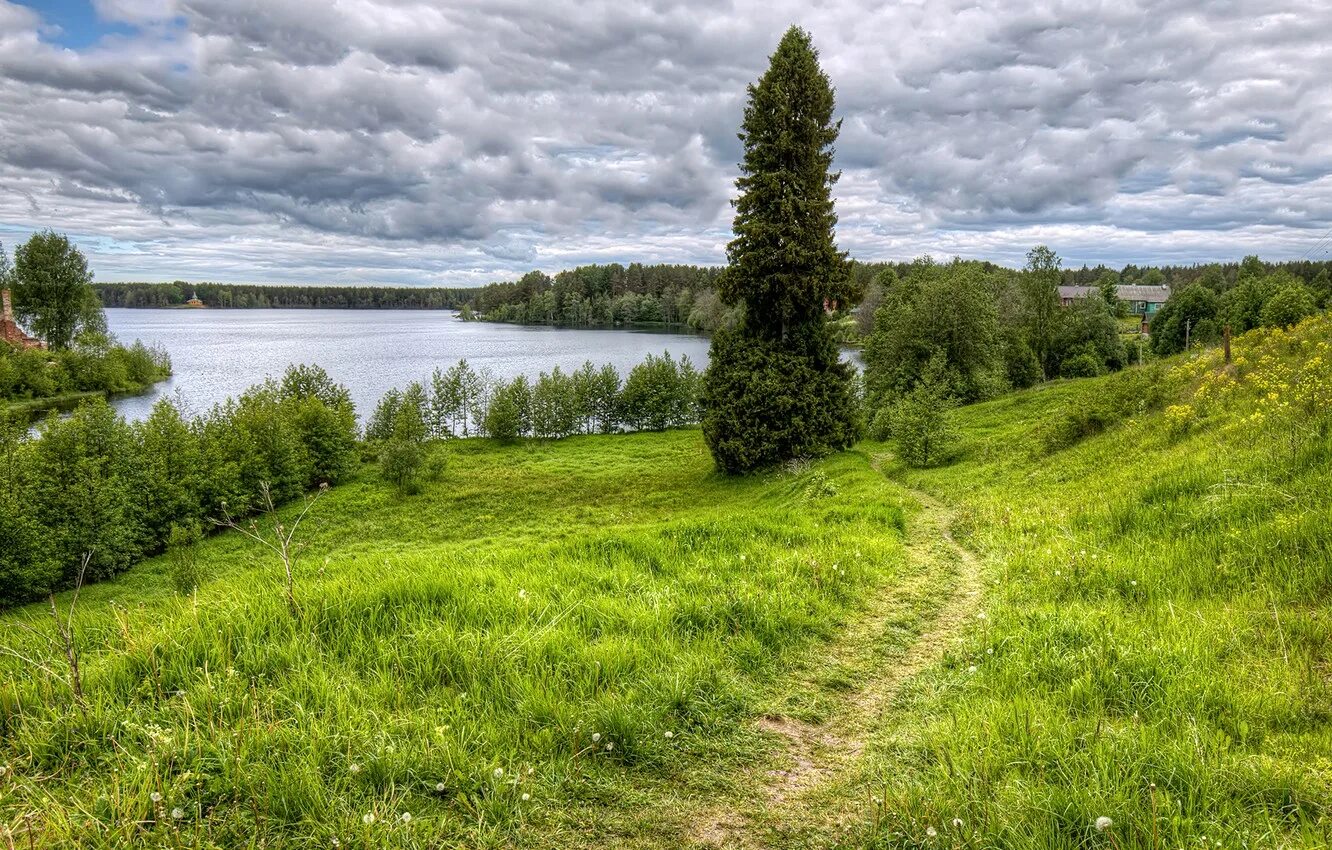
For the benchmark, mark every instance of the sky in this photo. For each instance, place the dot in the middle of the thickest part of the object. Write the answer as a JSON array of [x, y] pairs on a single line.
[[455, 143]]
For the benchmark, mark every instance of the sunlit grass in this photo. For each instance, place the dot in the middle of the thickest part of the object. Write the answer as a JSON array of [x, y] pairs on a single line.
[[546, 630], [1158, 646]]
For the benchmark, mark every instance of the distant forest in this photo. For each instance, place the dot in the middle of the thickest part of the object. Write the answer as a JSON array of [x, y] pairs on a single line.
[[609, 294], [252, 296]]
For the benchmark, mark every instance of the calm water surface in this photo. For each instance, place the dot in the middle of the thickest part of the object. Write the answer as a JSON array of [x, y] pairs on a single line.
[[219, 353]]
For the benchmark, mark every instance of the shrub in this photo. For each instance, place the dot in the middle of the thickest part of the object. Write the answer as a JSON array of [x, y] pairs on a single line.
[[1287, 306], [921, 425]]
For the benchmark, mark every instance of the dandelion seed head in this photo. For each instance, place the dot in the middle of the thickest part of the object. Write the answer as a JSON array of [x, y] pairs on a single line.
[[354, 767], [596, 736], [957, 823], [439, 786], [971, 669], [178, 813], [406, 817], [526, 796], [155, 797], [499, 771], [669, 734], [980, 615], [610, 745], [1103, 823], [368, 818], [931, 831]]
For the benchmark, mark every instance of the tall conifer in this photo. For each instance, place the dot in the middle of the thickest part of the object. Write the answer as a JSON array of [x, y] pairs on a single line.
[[776, 388]]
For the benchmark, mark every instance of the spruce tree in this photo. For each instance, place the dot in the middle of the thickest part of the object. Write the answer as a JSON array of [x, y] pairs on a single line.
[[776, 388]]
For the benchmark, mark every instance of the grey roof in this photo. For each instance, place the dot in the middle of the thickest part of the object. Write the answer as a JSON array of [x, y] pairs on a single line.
[[1150, 294]]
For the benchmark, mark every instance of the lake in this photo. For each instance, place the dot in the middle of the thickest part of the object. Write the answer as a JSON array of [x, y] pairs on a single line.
[[219, 353]]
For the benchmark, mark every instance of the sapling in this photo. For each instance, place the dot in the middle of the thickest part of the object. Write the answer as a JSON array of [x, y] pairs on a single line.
[[276, 535]]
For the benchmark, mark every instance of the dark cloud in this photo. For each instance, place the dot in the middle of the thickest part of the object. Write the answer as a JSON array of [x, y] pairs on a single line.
[[466, 141]]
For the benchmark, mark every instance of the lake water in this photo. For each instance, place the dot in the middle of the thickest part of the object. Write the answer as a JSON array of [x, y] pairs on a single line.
[[219, 353]]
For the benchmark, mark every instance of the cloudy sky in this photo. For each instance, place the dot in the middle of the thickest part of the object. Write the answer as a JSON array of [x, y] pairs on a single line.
[[463, 141]]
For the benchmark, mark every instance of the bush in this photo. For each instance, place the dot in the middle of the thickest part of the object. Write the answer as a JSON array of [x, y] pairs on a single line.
[[921, 426], [1286, 307]]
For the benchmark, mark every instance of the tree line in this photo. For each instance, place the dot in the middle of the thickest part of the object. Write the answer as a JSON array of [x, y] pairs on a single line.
[[261, 296], [95, 485], [659, 393], [1258, 294]]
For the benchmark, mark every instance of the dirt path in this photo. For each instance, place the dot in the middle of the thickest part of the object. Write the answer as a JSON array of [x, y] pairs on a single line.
[[905, 631]]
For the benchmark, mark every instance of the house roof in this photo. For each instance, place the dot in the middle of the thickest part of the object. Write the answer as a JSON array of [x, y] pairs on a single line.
[[1150, 294], [1126, 292]]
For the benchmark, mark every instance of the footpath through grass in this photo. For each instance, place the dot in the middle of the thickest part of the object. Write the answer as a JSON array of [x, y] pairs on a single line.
[[1156, 647], [554, 645]]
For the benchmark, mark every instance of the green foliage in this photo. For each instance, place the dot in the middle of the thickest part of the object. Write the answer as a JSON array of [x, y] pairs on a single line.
[[1094, 407], [53, 292], [919, 422], [1193, 308], [91, 484], [937, 313], [1287, 306], [1039, 288], [509, 414], [660, 393], [765, 402], [295, 296]]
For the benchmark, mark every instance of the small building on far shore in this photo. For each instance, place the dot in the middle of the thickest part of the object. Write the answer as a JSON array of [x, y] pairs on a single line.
[[194, 301], [10, 332]]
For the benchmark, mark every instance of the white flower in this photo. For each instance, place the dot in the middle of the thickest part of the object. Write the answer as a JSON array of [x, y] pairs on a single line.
[[439, 786], [610, 745], [499, 771], [980, 615], [1058, 573], [669, 734], [931, 831], [368, 818], [336, 842], [1103, 823], [742, 557], [971, 669], [957, 823], [354, 767], [526, 796], [596, 736], [406, 817], [155, 797], [3, 770], [1134, 582], [990, 651], [178, 813], [522, 594]]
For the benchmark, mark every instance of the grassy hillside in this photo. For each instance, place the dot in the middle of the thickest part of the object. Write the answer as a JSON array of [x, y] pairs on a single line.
[[601, 642], [1157, 639], [535, 648]]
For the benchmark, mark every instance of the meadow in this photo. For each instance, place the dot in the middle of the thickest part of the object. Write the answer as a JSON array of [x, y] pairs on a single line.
[[528, 650], [1103, 622]]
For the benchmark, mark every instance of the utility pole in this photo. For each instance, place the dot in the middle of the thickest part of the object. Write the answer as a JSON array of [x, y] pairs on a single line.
[[1227, 338]]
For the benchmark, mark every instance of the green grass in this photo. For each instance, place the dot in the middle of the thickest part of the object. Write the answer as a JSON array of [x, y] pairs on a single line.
[[534, 623], [1157, 647], [28, 407]]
